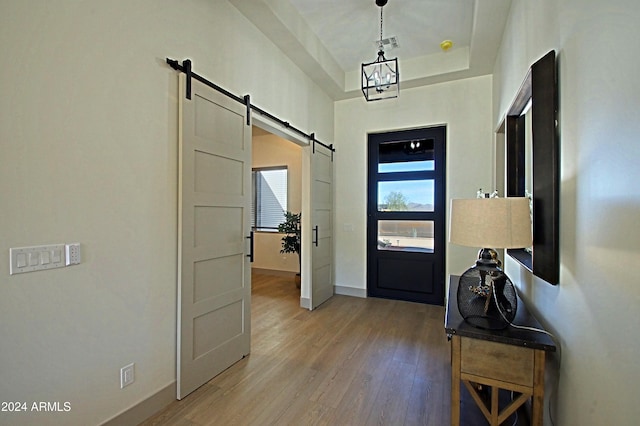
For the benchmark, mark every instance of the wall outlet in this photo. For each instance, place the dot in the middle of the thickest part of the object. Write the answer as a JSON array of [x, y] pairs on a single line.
[[127, 375], [72, 254]]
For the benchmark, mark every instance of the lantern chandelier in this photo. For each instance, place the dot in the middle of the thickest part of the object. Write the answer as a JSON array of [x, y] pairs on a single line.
[[380, 78]]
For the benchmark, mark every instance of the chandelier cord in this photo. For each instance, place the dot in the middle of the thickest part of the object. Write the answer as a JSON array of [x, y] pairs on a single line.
[[381, 46]]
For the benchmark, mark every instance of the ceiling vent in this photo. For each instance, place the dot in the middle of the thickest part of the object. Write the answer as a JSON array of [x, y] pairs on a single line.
[[388, 43]]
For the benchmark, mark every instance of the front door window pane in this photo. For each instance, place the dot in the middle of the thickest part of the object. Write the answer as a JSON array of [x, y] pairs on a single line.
[[405, 235], [406, 195], [407, 166]]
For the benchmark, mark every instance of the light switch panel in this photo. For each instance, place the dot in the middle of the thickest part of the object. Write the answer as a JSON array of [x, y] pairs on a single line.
[[36, 258]]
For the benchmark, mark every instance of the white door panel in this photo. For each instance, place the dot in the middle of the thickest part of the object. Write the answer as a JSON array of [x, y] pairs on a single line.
[[214, 279], [322, 222]]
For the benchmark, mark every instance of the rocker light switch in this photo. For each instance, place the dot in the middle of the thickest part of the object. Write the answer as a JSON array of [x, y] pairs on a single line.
[[34, 258], [21, 260]]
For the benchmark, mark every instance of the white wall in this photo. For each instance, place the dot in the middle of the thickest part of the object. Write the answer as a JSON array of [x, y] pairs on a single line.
[[88, 153], [594, 309], [270, 151], [464, 106]]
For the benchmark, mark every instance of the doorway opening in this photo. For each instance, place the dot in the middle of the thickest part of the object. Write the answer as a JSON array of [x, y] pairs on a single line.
[[316, 188], [406, 215], [277, 188]]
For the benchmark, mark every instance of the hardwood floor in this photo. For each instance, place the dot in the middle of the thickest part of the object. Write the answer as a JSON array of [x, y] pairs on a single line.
[[352, 361]]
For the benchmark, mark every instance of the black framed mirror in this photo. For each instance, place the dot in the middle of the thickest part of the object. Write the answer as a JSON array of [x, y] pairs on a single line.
[[539, 138]]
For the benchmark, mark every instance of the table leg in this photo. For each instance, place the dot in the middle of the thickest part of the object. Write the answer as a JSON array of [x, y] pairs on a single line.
[[455, 380], [537, 415]]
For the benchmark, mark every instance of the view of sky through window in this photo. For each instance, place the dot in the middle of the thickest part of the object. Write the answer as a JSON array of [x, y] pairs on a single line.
[[407, 195]]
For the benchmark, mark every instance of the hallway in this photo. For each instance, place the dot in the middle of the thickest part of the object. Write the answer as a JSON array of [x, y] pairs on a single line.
[[351, 361]]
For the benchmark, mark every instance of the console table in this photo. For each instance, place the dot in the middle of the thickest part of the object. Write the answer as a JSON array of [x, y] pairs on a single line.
[[489, 360]]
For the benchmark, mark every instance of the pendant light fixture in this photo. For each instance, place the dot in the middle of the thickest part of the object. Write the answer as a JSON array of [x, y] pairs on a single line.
[[380, 78]]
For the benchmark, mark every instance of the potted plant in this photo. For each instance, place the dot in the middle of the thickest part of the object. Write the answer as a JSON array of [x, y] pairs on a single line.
[[291, 240]]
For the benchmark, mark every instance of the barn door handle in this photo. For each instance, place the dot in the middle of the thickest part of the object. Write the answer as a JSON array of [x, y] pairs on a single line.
[[315, 231], [250, 238]]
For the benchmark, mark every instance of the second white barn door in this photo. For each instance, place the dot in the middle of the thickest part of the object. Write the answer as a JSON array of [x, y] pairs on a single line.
[[322, 225]]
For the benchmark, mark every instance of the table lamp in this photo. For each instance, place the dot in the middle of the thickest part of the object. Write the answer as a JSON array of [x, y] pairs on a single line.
[[486, 296]]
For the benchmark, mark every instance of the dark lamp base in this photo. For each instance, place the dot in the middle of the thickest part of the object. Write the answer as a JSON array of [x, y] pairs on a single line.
[[486, 297]]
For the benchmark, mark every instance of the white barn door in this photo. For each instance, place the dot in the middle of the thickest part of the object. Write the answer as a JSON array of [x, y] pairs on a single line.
[[214, 272], [322, 223]]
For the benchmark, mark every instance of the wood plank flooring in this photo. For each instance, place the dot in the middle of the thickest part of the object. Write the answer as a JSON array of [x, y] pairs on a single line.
[[352, 361]]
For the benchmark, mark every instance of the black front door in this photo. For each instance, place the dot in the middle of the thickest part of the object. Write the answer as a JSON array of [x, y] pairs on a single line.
[[406, 215]]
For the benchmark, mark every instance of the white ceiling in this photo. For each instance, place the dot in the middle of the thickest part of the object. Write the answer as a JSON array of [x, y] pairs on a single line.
[[419, 25], [329, 39]]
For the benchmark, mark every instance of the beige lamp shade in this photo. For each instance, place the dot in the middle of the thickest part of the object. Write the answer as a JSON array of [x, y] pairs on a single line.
[[490, 222]]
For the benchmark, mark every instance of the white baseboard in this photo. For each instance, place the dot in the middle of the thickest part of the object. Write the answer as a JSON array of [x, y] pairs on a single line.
[[273, 272], [305, 302], [146, 408], [351, 291]]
